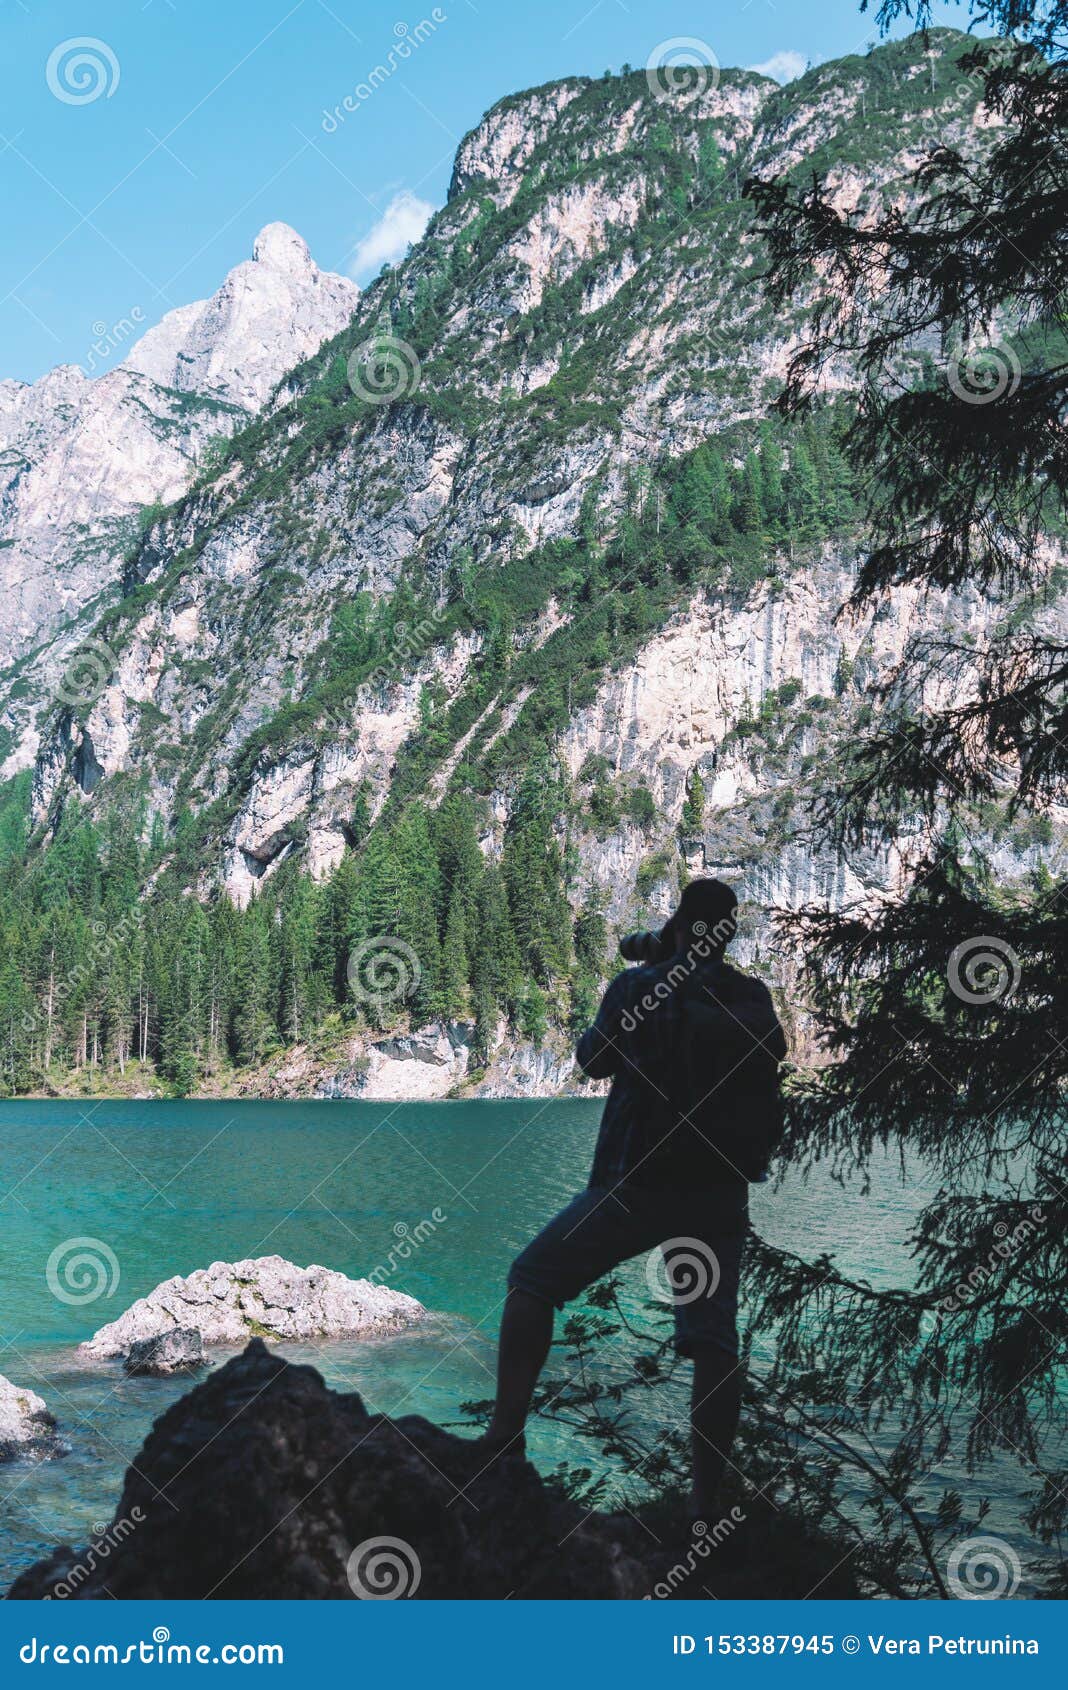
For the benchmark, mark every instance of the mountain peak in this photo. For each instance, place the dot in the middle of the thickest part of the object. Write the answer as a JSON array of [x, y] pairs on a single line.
[[281, 248], [270, 312]]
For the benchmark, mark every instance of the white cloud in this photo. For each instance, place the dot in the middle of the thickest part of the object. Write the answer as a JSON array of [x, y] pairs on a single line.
[[784, 66], [402, 223]]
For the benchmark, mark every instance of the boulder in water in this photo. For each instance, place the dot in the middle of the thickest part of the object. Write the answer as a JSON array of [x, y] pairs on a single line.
[[264, 1297], [181, 1350], [26, 1426]]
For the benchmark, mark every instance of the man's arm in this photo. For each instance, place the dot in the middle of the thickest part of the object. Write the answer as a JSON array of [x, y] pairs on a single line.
[[598, 1051]]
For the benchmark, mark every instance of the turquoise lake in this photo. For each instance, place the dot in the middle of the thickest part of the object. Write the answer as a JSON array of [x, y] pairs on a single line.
[[169, 1187]]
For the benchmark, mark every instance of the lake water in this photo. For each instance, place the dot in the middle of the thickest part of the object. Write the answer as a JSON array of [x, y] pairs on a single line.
[[169, 1187]]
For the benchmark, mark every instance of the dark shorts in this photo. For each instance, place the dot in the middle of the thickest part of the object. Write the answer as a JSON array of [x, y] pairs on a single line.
[[697, 1238]]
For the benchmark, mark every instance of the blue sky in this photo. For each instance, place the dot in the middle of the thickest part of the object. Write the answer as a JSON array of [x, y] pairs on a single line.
[[209, 121]]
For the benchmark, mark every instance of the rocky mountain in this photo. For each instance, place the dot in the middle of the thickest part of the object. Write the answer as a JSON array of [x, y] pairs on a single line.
[[83, 455], [518, 545]]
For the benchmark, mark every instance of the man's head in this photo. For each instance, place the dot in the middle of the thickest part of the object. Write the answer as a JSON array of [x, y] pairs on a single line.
[[706, 917]]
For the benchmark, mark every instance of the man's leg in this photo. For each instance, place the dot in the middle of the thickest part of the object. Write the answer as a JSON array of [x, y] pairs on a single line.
[[526, 1334], [706, 1329], [589, 1238], [715, 1407]]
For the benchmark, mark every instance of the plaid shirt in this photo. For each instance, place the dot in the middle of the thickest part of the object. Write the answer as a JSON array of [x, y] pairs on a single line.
[[635, 1041]]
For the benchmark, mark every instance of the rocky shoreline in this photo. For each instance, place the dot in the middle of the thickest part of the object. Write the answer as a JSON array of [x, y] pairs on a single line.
[[261, 1483], [426, 1064]]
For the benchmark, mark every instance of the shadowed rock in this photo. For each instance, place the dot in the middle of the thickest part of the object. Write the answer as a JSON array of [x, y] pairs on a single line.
[[263, 1483], [179, 1351]]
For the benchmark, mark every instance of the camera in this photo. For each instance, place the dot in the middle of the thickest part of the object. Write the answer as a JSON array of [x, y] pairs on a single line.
[[644, 947]]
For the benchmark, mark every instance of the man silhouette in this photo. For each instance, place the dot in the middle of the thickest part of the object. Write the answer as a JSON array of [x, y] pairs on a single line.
[[693, 1049]]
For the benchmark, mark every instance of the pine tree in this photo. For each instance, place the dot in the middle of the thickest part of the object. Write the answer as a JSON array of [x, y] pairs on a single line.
[[496, 969], [802, 490], [693, 809], [693, 499], [454, 960], [533, 873], [942, 1009], [751, 499], [771, 466], [254, 1030]]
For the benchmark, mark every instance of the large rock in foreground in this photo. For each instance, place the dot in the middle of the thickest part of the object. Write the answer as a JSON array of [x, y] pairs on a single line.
[[26, 1426], [263, 1484], [265, 1297]]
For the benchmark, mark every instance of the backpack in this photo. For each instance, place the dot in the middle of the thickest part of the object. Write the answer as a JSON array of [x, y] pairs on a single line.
[[724, 1113]]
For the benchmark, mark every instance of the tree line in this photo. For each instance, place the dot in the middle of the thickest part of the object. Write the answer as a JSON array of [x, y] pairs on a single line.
[[415, 923]]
